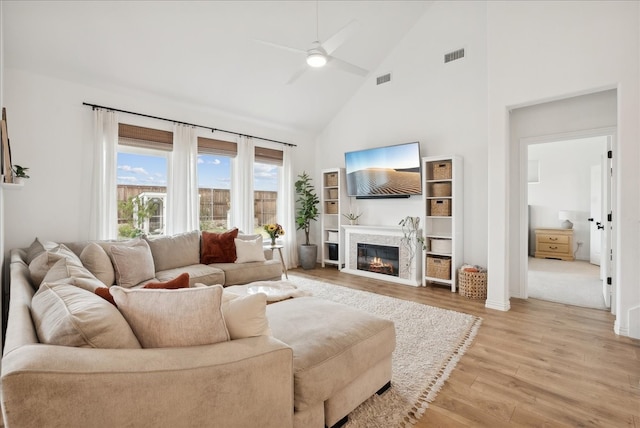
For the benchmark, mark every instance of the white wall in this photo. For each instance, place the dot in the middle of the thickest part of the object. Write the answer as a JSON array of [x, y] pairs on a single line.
[[541, 51], [52, 134], [565, 185], [441, 105]]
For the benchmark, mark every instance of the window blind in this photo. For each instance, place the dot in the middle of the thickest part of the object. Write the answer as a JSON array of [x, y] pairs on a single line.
[[212, 146], [270, 156], [147, 138]]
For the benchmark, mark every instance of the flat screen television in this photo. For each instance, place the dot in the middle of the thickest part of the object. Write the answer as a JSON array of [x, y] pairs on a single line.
[[384, 172]]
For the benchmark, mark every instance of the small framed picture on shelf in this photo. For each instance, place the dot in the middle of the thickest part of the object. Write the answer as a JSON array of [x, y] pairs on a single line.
[[5, 150]]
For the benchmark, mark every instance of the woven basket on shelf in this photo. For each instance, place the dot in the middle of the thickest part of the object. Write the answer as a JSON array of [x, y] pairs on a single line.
[[442, 170], [331, 179], [441, 189], [439, 267], [472, 284]]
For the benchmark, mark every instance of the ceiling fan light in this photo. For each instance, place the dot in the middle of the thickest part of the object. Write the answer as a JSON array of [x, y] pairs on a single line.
[[316, 59]]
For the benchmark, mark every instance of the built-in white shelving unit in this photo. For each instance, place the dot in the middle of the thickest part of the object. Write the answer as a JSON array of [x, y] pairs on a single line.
[[334, 202], [443, 219]]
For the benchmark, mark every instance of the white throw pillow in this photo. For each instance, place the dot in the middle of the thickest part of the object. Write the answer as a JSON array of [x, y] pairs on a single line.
[[133, 263], [172, 318], [245, 316], [249, 250], [66, 315], [96, 259]]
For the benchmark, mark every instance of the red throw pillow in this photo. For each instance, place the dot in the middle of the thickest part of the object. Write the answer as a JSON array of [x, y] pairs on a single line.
[[218, 247], [180, 281], [104, 293]]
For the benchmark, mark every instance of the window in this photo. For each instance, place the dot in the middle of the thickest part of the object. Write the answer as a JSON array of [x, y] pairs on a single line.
[[214, 183], [142, 180], [266, 180]]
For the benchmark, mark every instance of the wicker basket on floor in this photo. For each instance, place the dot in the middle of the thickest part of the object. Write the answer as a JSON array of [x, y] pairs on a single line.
[[472, 284]]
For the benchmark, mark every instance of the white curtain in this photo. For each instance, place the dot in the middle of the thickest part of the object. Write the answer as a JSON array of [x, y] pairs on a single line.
[[242, 212], [286, 208], [182, 182], [104, 204]]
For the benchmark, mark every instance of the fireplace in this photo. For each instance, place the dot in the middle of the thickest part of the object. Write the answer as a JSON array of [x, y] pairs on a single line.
[[381, 259]]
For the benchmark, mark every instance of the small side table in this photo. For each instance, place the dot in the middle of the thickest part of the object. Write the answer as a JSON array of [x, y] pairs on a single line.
[[279, 248]]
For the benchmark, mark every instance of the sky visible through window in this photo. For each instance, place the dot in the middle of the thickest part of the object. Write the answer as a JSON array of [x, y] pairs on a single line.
[[213, 172]]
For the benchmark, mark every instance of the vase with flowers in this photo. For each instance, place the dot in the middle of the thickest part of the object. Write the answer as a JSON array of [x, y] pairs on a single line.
[[274, 230]]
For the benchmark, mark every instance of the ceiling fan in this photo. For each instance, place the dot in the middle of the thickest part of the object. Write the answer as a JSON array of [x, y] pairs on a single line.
[[320, 54]]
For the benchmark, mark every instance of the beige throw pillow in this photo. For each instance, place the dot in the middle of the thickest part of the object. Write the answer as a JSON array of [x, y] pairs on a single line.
[[249, 250], [245, 316], [96, 259], [66, 315], [37, 247], [40, 265], [170, 252], [133, 263], [74, 273], [173, 318]]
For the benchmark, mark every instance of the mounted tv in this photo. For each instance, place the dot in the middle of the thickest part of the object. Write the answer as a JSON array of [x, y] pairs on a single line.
[[384, 172]]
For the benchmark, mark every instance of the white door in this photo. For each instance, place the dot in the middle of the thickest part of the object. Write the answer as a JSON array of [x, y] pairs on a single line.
[[601, 228], [595, 217], [606, 267]]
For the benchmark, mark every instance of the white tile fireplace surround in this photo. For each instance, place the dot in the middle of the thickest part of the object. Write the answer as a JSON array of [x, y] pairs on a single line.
[[387, 236]]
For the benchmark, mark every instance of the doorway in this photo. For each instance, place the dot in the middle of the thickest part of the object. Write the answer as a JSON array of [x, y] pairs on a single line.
[[564, 196]]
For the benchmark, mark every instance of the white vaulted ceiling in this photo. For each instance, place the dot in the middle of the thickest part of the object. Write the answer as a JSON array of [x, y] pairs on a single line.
[[206, 53]]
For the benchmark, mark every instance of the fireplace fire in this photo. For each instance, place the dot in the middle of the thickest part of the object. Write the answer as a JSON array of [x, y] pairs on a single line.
[[378, 259]]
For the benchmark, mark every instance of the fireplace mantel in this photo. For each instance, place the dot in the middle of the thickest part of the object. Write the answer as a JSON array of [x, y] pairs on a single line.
[[382, 235]]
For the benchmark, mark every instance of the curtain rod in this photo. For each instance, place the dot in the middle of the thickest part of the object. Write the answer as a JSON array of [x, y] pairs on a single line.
[[95, 106]]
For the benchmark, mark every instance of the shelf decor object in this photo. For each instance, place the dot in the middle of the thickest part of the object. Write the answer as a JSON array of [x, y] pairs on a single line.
[[443, 220]]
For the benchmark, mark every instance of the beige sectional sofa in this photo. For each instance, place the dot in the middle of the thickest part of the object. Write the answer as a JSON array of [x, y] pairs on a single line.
[[314, 364]]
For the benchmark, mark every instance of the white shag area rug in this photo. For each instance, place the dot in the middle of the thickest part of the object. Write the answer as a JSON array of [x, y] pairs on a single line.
[[429, 344]]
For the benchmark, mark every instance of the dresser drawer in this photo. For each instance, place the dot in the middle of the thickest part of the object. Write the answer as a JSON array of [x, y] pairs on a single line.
[[553, 248], [553, 239]]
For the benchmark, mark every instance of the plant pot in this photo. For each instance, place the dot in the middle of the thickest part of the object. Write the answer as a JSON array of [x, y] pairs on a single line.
[[308, 256]]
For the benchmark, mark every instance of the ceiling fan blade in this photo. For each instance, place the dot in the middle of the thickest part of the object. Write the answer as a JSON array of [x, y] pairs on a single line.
[[347, 66], [286, 48], [333, 42], [297, 75]]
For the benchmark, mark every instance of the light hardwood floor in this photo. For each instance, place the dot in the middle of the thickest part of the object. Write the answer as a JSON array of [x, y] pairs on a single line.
[[539, 364]]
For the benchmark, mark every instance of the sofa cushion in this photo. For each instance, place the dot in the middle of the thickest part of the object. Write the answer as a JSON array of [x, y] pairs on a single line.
[[181, 281], [332, 344], [40, 265], [67, 315], [218, 247], [96, 259], [204, 274], [245, 316], [175, 251], [173, 318], [249, 272], [249, 250], [133, 263]]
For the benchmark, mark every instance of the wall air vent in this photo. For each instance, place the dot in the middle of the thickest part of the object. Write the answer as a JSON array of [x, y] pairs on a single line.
[[452, 56], [383, 79]]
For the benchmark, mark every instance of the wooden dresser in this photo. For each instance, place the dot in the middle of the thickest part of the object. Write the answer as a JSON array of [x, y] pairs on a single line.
[[554, 244]]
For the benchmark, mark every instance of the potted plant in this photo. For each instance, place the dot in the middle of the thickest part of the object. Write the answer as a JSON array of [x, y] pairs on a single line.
[[353, 218], [19, 173], [307, 202]]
